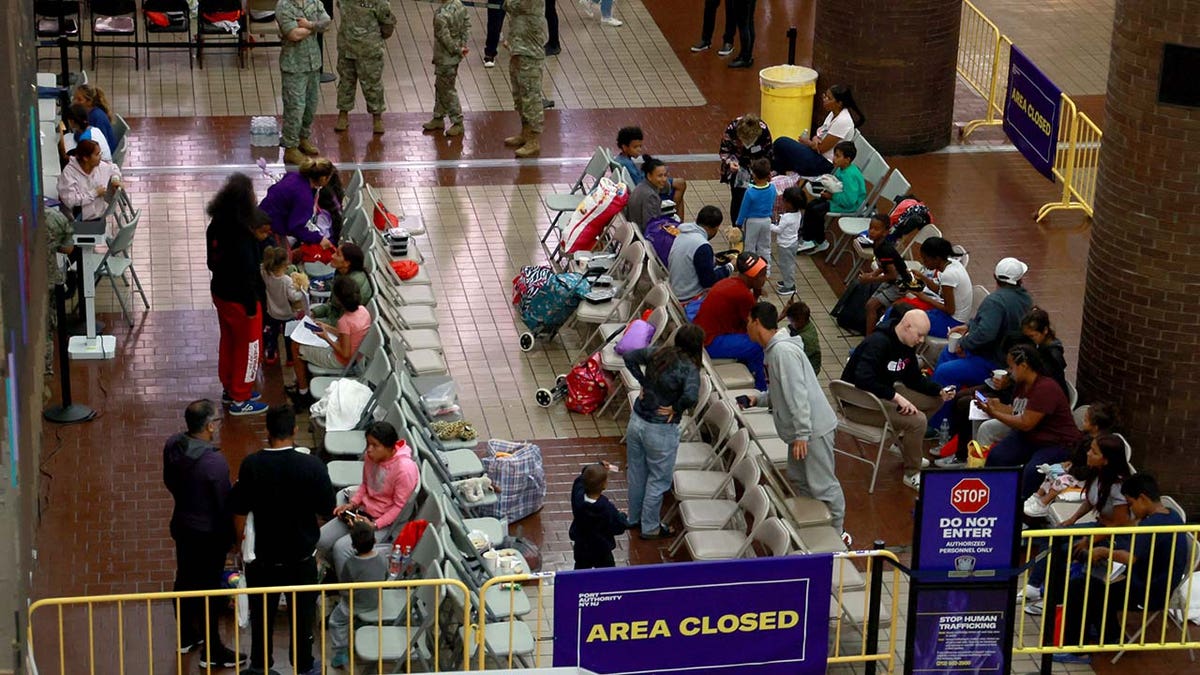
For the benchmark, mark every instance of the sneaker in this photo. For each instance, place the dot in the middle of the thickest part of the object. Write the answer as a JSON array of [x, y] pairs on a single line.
[[924, 462], [848, 540], [589, 7], [1082, 659], [913, 481], [612, 21], [663, 532], [950, 462], [1030, 593], [187, 646], [1033, 608], [340, 659], [489, 62], [823, 246], [227, 399], [247, 408], [806, 246], [701, 46], [741, 63], [224, 658], [726, 49]]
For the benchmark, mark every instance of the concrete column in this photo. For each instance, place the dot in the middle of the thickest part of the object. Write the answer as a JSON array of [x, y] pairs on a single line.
[[1140, 343], [899, 59]]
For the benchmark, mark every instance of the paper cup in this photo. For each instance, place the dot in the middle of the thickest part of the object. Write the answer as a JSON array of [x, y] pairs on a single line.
[[952, 342], [998, 375]]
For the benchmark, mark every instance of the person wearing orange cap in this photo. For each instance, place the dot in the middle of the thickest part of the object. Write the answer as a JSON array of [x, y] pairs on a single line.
[[724, 314]]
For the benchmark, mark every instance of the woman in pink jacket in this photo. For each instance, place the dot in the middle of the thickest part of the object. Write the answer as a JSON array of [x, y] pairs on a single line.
[[84, 184], [389, 478]]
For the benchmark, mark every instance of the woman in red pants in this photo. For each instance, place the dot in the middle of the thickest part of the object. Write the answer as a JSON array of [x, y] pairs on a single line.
[[234, 237]]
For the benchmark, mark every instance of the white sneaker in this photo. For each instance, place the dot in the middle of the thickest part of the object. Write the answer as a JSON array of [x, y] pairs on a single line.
[[848, 540], [823, 246], [1033, 609], [924, 462], [612, 21], [949, 462], [1030, 594], [913, 481], [589, 7], [806, 246]]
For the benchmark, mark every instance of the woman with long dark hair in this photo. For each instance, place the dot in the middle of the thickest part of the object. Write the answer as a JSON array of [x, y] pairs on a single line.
[[1035, 326], [234, 236], [670, 379], [814, 156]]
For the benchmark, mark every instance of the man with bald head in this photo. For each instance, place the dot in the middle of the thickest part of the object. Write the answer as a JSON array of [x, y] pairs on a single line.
[[885, 364]]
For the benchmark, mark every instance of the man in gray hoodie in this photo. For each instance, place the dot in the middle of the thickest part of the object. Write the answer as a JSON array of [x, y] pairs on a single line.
[[803, 417]]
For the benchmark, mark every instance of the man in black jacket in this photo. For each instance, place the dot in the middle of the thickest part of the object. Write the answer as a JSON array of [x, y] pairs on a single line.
[[885, 364], [287, 491], [197, 476]]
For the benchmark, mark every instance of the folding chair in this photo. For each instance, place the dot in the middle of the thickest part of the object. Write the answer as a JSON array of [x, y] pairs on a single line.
[[846, 395], [718, 514], [710, 483], [557, 204], [114, 20], [415, 226], [719, 421], [895, 187], [799, 510], [730, 373], [352, 443], [730, 544], [816, 539], [54, 19], [121, 129], [177, 14], [217, 33], [116, 261], [501, 604], [626, 270], [398, 643], [659, 295], [874, 173], [775, 536]]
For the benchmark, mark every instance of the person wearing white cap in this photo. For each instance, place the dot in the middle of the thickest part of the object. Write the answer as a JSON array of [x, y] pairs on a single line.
[[982, 342]]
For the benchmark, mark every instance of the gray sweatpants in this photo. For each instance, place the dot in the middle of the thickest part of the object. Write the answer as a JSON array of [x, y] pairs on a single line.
[[757, 238], [813, 477]]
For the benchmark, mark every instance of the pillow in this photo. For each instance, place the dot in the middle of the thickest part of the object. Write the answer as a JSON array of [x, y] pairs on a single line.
[[637, 336]]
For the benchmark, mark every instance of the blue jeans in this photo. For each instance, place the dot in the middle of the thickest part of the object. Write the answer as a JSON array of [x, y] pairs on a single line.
[[790, 155], [1012, 450], [968, 370], [650, 451], [693, 308], [739, 346], [605, 7]]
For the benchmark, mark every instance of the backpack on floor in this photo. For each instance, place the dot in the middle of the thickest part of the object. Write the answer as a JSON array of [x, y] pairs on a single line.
[[851, 309]]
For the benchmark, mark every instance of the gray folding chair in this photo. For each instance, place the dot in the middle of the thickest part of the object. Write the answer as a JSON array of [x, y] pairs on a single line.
[[881, 435], [116, 261]]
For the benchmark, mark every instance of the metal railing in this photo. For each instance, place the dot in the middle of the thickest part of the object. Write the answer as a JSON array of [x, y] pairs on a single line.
[[865, 614], [983, 64], [1079, 559]]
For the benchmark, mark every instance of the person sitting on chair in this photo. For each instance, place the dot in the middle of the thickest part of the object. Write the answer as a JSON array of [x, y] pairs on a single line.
[[986, 335], [348, 261], [87, 182], [692, 266], [75, 119], [343, 339], [725, 312]]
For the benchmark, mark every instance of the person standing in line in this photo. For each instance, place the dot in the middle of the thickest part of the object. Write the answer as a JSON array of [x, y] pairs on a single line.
[[606, 11], [670, 379], [197, 476], [553, 48], [710, 25], [362, 29], [234, 236], [495, 25], [451, 28], [300, 73], [526, 40], [801, 412], [60, 239], [744, 12], [287, 491]]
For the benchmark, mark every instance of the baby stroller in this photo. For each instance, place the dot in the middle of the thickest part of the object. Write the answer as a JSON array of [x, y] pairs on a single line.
[[547, 303]]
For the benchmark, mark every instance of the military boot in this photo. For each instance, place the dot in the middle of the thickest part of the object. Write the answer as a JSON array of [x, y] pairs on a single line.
[[377, 127], [456, 129], [293, 156], [343, 122], [532, 147], [518, 140], [434, 124], [308, 148]]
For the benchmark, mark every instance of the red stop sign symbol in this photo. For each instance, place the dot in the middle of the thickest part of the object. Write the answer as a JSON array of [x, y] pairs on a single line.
[[970, 495]]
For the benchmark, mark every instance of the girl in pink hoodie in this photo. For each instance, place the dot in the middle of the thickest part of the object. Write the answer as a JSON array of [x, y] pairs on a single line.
[[389, 478]]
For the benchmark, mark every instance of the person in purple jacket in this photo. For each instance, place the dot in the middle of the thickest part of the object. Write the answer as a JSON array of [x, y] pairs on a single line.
[[292, 202], [197, 475]]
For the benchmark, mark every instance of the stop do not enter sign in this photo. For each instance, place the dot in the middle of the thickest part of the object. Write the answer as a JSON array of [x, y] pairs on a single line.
[[969, 496]]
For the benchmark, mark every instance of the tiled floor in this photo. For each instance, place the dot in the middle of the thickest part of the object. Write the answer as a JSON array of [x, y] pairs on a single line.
[[485, 221]]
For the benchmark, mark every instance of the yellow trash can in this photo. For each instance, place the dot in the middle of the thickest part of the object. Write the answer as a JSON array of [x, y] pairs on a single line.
[[787, 99]]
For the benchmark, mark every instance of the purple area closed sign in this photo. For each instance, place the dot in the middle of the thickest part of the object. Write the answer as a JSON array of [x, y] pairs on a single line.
[[1032, 107], [763, 615]]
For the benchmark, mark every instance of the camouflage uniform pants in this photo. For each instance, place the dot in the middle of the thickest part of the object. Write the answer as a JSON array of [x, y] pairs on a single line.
[[445, 93], [365, 71], [300, 92], [525, 73]]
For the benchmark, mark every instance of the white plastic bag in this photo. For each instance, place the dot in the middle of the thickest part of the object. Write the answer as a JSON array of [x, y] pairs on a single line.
[[248, 540], [440, 397], [243, 604]]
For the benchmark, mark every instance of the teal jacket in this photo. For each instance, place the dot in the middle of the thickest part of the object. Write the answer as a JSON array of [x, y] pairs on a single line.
[[854, 190]]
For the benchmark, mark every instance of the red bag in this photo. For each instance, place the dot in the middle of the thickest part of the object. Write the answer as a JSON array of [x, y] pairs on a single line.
[[593, 215], [405, 269], [384, 219], [586, 386], [315, 253], [411, 533]]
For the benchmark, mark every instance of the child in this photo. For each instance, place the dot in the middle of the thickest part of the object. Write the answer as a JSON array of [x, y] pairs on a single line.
[[629, 155], [787, 239], [366, 565], [854, 191], [596, 521], [755, 214], [451, 28], [891, 273], [284, 299], [800, 323], [1060, 478]]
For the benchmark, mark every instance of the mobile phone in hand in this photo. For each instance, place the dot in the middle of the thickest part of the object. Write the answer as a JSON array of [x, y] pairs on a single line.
[[980, 397], [312, 326], [743, 401]]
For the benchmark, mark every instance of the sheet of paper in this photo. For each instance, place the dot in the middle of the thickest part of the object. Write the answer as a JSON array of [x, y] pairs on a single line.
[[977, 413], [302, 334]]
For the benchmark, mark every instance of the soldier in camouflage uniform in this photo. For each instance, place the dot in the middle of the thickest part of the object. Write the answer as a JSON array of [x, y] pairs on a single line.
[[59, 239], [451, 28], [527, 41], [300, 63], [363, 27]]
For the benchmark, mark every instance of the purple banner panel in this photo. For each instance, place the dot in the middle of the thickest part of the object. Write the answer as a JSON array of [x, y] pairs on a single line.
[[961, 630], [762, 615], [967, 520], [1032, 107]]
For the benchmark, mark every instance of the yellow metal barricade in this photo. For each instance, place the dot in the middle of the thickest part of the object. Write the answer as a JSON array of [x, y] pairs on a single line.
[[1076, 161], [850, 607], [511, 627], [117, 633], [982, 62], [1098, 578]]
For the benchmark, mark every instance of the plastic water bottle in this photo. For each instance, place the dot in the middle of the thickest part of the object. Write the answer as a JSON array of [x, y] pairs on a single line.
[[395, 562], [943, 436]]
